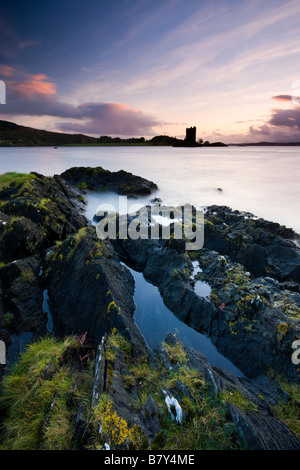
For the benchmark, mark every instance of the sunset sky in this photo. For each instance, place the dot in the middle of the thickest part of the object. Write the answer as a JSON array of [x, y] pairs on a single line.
[[148, 67]]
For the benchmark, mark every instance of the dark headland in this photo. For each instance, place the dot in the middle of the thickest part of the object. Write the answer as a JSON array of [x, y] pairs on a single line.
[[14, 135]]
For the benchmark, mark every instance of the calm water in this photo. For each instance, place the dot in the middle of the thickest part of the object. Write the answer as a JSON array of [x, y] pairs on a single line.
[[155, 320], [261, 180]]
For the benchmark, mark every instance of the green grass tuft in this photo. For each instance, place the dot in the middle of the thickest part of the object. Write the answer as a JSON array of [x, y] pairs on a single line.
[[27, 395], [12, 177]]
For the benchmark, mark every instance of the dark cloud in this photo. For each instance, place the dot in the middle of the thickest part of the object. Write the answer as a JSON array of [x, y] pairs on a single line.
[[289, 118], [282, 126], [110, 118], [261, 130], [267, 133]]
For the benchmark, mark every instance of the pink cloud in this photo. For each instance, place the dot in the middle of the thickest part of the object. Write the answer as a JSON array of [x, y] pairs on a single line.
[[6, 71], [32, 88], [24, 85], [36, 95], [282, 98]]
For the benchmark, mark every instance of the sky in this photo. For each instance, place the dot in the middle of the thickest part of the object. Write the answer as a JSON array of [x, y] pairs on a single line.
[[140, 68]]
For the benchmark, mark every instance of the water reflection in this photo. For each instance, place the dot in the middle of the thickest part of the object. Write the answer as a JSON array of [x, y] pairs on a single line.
[[155, 320]]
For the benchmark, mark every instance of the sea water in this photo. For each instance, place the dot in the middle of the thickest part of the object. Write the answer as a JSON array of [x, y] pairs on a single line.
[[261, 180]]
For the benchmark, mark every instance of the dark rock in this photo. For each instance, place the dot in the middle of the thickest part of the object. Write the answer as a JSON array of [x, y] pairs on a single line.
[[81, 433], [97, 178], [263, 247], [156, 200], [90, 291], [122, 397], [291, 286], [267, 388], [251, 317], [3, 330], [24, 296], [21, 238], [36, 214], [260, 432], [149, 419]]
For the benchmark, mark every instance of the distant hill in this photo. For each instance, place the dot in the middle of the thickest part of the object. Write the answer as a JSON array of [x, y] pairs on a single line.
[[12, 134]]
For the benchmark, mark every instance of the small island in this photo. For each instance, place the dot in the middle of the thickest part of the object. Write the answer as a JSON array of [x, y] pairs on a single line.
[[190, 140]]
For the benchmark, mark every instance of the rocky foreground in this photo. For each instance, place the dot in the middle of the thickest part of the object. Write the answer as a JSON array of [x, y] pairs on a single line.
[[92, 382]]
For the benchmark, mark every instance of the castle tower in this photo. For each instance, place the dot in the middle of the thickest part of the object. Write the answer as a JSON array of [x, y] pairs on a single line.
[[190, 136]]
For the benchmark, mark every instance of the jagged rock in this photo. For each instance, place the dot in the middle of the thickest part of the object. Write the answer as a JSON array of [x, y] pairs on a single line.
[[263, 247], [259, 432], [267, 388], [254, 318], [90, 291], [23, 299], [21, 238], [149, 419]]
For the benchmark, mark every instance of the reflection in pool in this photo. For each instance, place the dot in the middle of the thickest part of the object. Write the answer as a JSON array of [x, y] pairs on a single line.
[[155, 320]]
